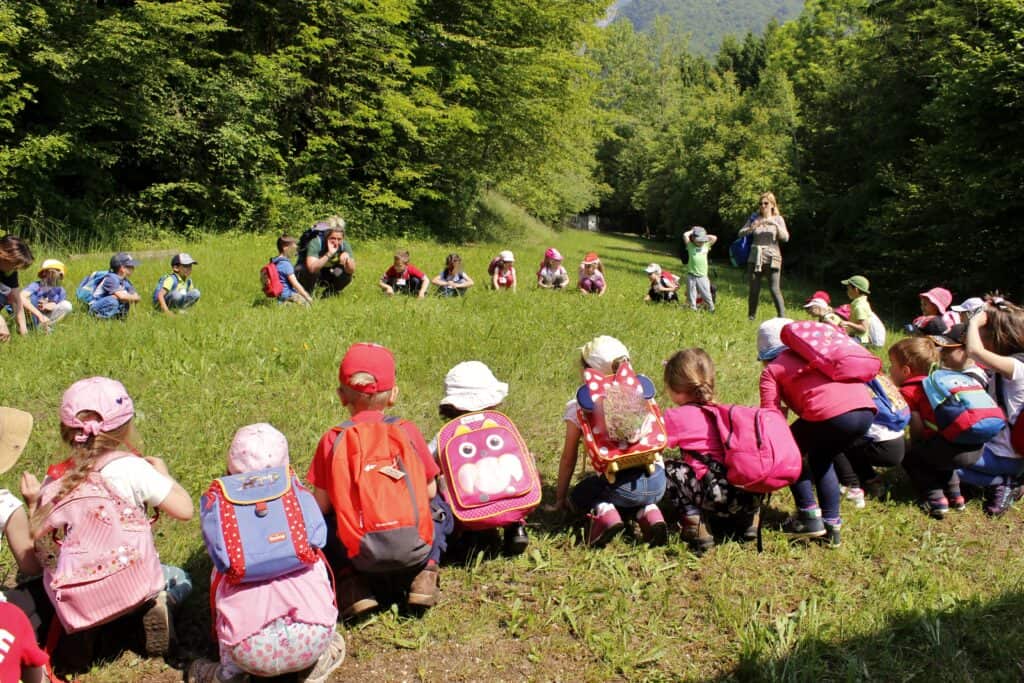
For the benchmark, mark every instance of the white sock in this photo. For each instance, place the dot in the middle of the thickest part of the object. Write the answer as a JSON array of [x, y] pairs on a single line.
[[602, 508], [644, 510]]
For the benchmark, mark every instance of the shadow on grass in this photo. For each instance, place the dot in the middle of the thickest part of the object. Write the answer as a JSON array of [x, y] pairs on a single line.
[[977, 640]]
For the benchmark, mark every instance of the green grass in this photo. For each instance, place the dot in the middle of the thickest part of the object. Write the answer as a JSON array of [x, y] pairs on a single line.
[[905, 598]]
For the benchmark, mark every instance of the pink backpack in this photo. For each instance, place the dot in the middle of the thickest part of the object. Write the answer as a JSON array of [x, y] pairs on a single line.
[[492, 479], [831, 351], [99, 560], [761, 455]]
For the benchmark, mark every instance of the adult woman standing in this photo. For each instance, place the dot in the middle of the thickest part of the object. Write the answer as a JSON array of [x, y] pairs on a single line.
[[14, 256], [767, 229]]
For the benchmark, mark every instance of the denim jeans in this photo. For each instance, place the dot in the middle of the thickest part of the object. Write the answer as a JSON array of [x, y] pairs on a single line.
[[181, 299], [633, 488], [820, 442], [179, 584], [991, 469], [107, 307]]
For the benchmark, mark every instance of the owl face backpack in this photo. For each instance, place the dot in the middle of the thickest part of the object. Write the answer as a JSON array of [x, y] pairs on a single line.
[[492, 479]]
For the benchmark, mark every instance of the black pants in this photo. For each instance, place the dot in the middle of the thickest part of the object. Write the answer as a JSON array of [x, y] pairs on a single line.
[[774, 284], [856, 464], [932, 464], [333, 279]]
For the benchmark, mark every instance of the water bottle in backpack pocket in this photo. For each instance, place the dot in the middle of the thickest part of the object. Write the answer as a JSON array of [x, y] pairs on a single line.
[[965, 414]]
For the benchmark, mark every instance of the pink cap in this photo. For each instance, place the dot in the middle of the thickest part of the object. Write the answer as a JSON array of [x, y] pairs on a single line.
[[102, 395], [372, 359], [257, 447], [553, 254], [820, 294], [940, 297]]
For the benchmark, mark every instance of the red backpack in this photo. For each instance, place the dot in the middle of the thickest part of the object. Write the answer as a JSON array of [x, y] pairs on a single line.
[[831, 351], [270, 279], [379, 494]]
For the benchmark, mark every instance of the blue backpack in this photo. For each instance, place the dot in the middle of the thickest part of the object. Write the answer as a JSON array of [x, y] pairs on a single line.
[[965, 414], [893, 411], [87, 288], [160, 284], [739, 251], [261, 525]]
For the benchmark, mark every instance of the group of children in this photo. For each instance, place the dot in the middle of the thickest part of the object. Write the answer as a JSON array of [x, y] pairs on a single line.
[[379, 513]]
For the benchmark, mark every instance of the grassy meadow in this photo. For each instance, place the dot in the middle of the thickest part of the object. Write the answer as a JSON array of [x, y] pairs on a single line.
[[905, 598]]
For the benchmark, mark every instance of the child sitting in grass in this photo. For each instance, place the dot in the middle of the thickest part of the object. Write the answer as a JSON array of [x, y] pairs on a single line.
[[697, 485], [935, 317], [664, 285], [591, 275], [502, 270], [858, 288], [175, 290], [819, 307], [552, 274], [953, 354], [635, 491], [404, 278], [452, 281], [45, 299], [292, 291], [930, 461], [115, 294]]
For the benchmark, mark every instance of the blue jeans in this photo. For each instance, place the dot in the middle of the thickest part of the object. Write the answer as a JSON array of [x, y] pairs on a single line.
[[179, 584], [991, 469], [107, 307], [633, 488], [820, 443], [181, 299]]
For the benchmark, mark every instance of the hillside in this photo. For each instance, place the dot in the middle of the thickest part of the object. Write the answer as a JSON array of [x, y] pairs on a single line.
[[708, 21]]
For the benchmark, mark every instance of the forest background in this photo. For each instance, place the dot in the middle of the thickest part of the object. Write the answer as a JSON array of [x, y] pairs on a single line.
[[891, 131]]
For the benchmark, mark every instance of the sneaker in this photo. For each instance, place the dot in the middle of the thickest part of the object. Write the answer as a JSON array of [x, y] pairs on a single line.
[[424, 590], [157, 626], [855, 495], [937, 508], [330, 660], [805, 524], [832, 537], [205, 671], [957, 502], [603, 527], [695, 532], [652, 526], [516, 539], [747, 523], [354, 596], [998, 499], [875, 488]]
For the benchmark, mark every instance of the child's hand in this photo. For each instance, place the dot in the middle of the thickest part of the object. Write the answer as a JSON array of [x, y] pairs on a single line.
[[5, 334], [30, 488], [158, 464]]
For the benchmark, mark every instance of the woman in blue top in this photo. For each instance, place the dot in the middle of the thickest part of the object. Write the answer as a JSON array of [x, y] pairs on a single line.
[[452, 281]]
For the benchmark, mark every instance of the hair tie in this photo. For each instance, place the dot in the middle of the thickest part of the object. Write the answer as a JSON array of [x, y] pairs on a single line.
[[86, 430]]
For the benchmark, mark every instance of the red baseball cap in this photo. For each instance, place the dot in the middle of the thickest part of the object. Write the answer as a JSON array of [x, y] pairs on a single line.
[[372, 359], [820, 294]]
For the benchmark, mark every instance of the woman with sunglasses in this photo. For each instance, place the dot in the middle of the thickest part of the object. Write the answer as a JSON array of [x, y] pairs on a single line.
[[767, 229]]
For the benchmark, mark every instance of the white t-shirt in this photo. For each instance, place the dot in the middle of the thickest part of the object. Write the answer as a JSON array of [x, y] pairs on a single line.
[[8, 504], [1013, 393], [136, 480]]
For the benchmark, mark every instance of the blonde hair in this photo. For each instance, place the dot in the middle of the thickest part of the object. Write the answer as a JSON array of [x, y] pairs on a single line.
[[402, 255], [691, 371], [336, 223], [917, 353], [83, 458], [771, 198], [1005, 326], [360, 399]]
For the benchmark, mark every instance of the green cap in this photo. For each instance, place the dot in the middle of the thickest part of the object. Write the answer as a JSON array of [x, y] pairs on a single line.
[[860, 282]]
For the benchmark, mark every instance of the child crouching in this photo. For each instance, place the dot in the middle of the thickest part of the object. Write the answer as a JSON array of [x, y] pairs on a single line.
[[278, 625]]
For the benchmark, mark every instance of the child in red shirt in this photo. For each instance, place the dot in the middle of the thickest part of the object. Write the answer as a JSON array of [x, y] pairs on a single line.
[[20, 656], [403, 277], [930, 460]]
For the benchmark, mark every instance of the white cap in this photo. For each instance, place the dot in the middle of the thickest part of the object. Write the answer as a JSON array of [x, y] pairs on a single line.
[[600, 352], [257, 447], [815, 302], [769, 338], [969, 305], [507, 256], [652, 268], [472, 386]]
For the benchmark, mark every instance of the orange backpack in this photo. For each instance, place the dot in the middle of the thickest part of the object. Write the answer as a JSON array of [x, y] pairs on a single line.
[[379, 495]]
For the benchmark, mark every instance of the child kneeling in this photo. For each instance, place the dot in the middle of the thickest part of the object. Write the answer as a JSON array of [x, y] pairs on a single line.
[[375, 482], [279, 625]]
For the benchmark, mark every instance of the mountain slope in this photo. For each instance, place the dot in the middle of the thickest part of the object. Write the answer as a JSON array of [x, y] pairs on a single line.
[[707, 21]]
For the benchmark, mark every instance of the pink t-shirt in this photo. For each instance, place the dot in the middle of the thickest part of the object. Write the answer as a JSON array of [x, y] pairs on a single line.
[[810, 394], [692, 430]]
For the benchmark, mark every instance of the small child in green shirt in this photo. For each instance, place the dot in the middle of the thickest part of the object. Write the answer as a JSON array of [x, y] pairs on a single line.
[[698, 286], [858, 288]]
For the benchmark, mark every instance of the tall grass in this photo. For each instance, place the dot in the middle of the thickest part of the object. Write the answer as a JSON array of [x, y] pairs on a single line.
[[905, 598]]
